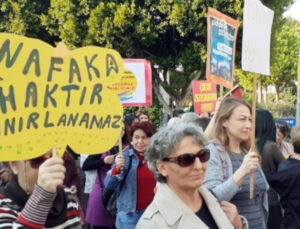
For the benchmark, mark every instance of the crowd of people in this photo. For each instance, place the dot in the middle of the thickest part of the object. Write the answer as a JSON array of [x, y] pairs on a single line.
[[192, 173]]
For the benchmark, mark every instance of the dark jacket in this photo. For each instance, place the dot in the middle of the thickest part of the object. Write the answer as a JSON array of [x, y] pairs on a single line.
[[71, 175], [286, 181]]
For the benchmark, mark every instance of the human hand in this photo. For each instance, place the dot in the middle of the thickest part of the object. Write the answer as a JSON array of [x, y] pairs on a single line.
[[120, 161], [73, 189], [109, 159], [250, 163], [232, 214], [51, 174]]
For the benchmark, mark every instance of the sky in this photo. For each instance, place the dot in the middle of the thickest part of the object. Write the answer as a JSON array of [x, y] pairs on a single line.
[[294, 11]]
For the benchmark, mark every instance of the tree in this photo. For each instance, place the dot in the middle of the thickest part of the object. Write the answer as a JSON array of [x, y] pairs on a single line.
[[285, 55], [24, 17], [169, 33]]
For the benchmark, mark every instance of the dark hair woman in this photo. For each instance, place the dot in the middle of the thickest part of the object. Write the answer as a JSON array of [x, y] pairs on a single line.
[[265, 134], [281, 134], [286, 182], [131, 177]]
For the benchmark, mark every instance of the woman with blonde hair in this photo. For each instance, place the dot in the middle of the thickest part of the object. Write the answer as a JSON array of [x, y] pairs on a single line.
[[231, 162]]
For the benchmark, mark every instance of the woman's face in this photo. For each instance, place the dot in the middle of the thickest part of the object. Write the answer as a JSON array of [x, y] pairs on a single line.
[[27, 171], [143, 118], [140, 141], [279, 136], [238, 125], [184, 178], [26, 175]]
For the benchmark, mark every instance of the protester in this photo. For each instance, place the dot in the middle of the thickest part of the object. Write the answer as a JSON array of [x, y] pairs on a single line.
[[228, 169], [96, 216], [144, 116], [265, 134], [174, 121], [130, 119], [179, 160], [203, 122], [5, 174], [190, 117], [282, 132], [132, 178], [89, 181], [35, 198], [178, 113], [71, 177], [286, 182]]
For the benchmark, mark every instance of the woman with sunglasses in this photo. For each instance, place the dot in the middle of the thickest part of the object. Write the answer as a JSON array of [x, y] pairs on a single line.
[[178, 159], [231, 162], [132, 179], [35, 197]]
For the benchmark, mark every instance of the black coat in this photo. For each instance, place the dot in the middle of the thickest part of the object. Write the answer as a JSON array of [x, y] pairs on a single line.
[[286, 181]]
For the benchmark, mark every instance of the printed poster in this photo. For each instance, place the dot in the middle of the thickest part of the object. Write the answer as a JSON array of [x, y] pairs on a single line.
[[221, 42]]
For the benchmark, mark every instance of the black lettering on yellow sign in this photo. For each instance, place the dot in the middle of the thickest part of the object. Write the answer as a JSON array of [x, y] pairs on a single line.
[[56, 64], [86, 120]]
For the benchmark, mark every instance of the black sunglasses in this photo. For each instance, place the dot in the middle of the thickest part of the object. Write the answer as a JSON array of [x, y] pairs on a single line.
[[188, 159]]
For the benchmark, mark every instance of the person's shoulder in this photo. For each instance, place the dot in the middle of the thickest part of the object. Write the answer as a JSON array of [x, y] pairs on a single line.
[[289, 163], [151, 218]]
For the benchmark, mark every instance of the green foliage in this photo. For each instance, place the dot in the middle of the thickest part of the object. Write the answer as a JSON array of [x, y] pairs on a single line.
[[154, 111], [23, 17], [169, 33], [285, 56]]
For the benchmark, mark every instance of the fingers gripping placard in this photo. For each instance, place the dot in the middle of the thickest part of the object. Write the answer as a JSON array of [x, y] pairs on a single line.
[[53, 98]]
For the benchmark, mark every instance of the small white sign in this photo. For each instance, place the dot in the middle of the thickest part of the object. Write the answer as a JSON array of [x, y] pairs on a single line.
[[257, 25]]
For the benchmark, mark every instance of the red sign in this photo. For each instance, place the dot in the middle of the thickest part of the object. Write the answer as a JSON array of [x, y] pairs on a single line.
[[204, 95]]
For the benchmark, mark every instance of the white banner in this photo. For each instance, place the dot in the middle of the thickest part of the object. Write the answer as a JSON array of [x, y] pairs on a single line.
[[257, 25]]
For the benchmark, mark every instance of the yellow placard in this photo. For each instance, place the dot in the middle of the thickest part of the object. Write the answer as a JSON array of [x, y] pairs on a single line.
[[53, 97], [126, 86]]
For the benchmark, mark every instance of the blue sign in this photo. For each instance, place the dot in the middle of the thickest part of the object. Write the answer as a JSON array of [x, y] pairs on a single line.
[[221, 48], [290, 121]]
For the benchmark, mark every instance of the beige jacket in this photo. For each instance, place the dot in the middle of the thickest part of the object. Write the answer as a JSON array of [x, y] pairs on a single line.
[[168, 211]]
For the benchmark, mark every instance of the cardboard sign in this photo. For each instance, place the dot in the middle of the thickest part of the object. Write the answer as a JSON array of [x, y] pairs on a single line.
[[142, 96], [221, 42], [126, 87], [52, 98], [204, 95], [257, 25]]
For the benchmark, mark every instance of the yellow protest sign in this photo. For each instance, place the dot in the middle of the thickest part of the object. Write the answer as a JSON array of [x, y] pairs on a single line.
[[125, 87], [51, 97]]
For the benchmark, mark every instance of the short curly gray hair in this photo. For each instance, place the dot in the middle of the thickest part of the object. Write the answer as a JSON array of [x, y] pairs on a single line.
[[166, 141]]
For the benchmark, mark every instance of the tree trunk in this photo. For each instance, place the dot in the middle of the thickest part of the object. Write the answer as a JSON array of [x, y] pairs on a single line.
[[277, 94], [179, 102]]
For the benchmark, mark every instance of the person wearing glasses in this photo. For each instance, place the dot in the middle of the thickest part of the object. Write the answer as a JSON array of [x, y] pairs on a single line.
[[178, 158], [231, 162], [34, 198]]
